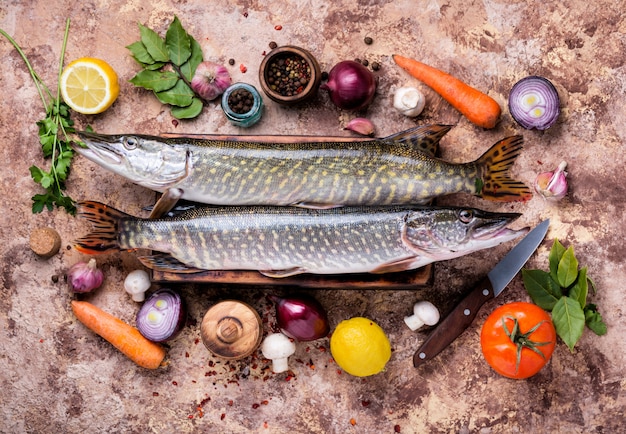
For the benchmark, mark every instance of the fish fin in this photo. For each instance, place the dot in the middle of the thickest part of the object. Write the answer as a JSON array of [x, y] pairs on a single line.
[[424, 138], [167, 263], [277, 274], [105, 221], [401, 265], [496, 184], [315, 205]]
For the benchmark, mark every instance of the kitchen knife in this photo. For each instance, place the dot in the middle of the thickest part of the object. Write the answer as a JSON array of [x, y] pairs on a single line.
[[491, 286]]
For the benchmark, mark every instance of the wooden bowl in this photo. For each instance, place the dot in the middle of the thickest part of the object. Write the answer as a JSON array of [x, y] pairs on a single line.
[[289, 53]]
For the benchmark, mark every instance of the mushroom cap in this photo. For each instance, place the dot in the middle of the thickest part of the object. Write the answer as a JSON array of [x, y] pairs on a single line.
[[277, 346], [427, 312]]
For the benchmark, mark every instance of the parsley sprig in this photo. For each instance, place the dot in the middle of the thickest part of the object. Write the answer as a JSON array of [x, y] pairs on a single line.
[[53, 137]]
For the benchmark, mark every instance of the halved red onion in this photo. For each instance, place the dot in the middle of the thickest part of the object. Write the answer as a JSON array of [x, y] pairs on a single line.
[[162, 316], [534, 103]]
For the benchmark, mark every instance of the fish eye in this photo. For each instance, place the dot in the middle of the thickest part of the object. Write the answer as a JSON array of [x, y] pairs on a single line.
[[466, 215], [130, 142]]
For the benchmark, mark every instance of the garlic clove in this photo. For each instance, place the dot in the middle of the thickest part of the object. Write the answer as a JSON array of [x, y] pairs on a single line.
[[409, 101], [552, 186], [361, 126], [85, 276]]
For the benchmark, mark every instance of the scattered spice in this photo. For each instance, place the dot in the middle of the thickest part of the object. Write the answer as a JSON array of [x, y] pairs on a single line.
[[368, 40], [175, 123], [231, 61], [223, 416], [353, 421], [155, 393], [288, 75], [273, 45], [255, 405], [278, 27], [243, 68], [375, 66], [396, 428], [240, 101], [365, 62]]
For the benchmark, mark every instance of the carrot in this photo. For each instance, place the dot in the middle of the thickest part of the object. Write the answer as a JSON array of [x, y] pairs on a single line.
[[479, 108], [122, 336]]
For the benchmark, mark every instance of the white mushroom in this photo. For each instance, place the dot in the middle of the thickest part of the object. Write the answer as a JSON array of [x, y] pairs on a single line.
[[424, 313], [136, 284], [277, 347], [409, 101]]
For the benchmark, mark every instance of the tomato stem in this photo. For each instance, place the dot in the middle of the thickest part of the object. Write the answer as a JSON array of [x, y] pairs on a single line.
[[522, 340]]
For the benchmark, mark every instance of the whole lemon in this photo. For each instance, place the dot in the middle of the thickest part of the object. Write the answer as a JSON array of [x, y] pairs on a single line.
[[360, 347]]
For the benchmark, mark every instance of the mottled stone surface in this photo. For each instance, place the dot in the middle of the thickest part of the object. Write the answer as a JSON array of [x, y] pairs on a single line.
[[59, 377]]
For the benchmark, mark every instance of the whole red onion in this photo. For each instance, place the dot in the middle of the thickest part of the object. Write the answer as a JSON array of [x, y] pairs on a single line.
[[301, 317], [351, 85]]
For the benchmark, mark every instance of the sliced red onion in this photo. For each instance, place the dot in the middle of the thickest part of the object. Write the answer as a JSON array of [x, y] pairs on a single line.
[[301, 317], [162, 316], [534, 103]]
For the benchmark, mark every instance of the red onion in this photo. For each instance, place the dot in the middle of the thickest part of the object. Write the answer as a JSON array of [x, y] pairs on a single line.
[[162, 316], [302, 318], [534, 103], [210, 80], [351, 85], [85, 276]]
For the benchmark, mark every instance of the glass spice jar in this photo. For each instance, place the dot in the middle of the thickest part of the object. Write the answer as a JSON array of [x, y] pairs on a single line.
[[242, 104]]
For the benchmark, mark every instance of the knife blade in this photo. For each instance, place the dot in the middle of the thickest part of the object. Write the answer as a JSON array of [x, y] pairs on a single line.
[[489, 287]]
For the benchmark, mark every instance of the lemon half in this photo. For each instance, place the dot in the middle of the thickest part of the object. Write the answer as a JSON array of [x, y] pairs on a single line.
[[360, 347], [89, 85]]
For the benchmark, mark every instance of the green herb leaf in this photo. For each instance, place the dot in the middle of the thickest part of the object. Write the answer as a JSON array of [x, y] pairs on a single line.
[[140, 53], [188, 69], [556, 253], [178, 43], [544, 291], [157, 81], [154, 44], [189, 112], [594, 320], [180, 95], [569, 320], [568, 268], [581, 288]]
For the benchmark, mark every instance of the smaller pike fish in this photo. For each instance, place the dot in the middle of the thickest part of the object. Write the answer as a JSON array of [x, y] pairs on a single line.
[[285, 241], [397, 170]]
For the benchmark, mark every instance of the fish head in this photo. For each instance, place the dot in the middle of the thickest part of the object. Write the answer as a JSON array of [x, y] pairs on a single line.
[[145, 160], [447, 233]]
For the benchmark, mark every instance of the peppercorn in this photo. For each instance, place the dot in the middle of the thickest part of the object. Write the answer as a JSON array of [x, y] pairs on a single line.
[[273, 45], [240, 101], [231, 62], [288, 75], [365, 62], [368, 40], [375, 66]]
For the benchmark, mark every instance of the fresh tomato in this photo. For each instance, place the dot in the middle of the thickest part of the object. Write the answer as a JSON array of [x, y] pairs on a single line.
[[517, 339]]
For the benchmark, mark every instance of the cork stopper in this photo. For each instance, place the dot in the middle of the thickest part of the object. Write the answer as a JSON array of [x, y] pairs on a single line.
[[231, 330], [45, 242]]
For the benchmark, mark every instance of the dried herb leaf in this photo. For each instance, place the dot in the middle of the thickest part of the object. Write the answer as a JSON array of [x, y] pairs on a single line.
[[189, 112], [569, 320], [154, 44], [180, 95], [581, 288], [140, 53], [189, 67], [541, 288], [567, 268], [178, 43], [556, 253]]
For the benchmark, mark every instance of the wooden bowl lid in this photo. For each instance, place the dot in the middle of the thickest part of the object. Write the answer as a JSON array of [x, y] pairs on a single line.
[[231, 329]]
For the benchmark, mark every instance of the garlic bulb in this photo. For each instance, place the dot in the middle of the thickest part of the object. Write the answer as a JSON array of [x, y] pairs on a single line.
[[409, 101]]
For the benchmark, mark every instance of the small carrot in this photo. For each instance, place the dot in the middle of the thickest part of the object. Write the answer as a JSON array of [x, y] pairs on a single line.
[[122, 336], [479, 108]]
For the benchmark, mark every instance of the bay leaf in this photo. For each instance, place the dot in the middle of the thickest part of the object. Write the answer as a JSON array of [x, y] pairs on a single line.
[[189, 112], [567, 271], [569, 320], [178, 43], [180, 95], [189, 67], [556, 253], [155, 45], [157, 81], [581, 288], [543, 290], [140, 53]]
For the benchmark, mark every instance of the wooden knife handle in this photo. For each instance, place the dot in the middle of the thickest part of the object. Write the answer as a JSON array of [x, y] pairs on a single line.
[[455, 323]]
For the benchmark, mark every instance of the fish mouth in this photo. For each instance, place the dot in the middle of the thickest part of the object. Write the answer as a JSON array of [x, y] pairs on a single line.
[[495, 226], [100, 148]]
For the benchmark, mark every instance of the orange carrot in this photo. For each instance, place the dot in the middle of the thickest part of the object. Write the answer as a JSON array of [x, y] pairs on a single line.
[[479, 108], [122, 336]]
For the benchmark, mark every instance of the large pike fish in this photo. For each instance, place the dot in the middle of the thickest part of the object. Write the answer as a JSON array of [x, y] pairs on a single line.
[[399, 169], [285, 241]]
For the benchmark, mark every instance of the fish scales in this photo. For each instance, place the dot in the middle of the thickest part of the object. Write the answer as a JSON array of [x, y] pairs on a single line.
[[283, 241], [389, 171]]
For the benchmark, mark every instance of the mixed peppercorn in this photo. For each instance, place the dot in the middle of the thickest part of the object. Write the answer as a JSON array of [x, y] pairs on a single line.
[[288, 75]]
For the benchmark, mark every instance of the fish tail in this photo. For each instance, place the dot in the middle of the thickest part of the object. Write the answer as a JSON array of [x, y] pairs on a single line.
[[496, 184], [425, 138], [105, 221]]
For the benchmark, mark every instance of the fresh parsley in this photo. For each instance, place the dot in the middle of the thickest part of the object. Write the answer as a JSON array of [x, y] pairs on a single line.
[[168, 67], [53, 137], [563, 291]]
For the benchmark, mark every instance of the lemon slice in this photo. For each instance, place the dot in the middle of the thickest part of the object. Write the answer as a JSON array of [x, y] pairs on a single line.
[[360, 347], [89, 85]]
